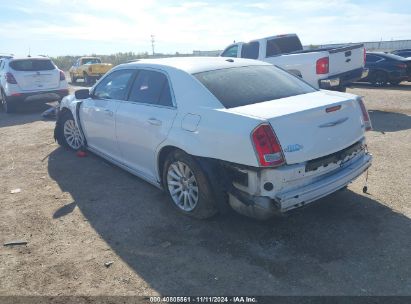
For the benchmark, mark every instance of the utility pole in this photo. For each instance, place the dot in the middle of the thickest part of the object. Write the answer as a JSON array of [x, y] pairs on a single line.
[[152, 43]]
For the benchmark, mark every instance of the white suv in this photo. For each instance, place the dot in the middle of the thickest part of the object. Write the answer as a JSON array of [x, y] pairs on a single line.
[[29, 79]]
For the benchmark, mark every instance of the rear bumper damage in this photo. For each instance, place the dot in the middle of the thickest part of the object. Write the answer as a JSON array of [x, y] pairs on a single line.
[[274, 191]]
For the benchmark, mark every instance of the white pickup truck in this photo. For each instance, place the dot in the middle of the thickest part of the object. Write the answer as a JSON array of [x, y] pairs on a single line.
[[325, 68]]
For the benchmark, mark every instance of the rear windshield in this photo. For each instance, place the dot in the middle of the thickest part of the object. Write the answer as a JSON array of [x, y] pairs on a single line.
[[240, 86], [32, 65], [283, 45], [393, 57]]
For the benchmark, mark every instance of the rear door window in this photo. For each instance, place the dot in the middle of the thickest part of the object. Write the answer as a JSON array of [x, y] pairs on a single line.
[[241, 86], [250, 50], [151, 87], [32, 65], [372, 58], [283, 45]]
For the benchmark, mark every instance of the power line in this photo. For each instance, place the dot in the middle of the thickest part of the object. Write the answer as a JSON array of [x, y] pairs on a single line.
[[152, 43]]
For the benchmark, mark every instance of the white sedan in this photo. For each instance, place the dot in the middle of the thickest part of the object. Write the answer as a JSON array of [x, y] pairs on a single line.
[[218, 132]]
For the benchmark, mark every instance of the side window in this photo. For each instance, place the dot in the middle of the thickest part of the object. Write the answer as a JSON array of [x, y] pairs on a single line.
[[114, 85], [250, 50], [272, 48], [371, 58], [151, 87], [231, 51]]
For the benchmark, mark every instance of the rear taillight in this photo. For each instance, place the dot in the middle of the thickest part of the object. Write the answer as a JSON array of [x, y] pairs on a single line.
[[62, 76], [365, 55], [322, 66], [10, 78], [401, 65], [365, 116], [267, 147]]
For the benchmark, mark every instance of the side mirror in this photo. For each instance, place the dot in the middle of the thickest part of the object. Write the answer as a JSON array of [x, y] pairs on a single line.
[[82, 94]]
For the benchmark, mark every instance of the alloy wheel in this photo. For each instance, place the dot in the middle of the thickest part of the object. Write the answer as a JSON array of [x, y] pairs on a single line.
[[182, 186], [72, 134]]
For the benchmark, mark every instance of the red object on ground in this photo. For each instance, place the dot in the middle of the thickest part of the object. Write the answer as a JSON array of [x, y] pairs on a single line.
[[81, 153]]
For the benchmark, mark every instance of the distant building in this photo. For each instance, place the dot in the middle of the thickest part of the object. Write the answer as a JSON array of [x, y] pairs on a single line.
[[207, 53], [379, 46]]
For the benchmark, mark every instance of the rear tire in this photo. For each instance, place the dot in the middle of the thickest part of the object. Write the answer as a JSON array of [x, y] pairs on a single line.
[[187, 186], [341, 89], [73, 78], [68, 135], [7, 105], [379, 79]]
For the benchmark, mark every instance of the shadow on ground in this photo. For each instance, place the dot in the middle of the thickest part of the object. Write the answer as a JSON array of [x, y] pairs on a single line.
[[389, 121], [24, 115], [344, 244], [403, 86]]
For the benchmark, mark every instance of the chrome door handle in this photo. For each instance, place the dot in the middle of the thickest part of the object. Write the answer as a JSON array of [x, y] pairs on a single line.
[[108, 112], [154, 121]]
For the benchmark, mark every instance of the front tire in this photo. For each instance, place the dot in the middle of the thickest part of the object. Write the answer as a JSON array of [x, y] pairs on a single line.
[[73, 78], [87, 79], [68, 134], [187, 186]]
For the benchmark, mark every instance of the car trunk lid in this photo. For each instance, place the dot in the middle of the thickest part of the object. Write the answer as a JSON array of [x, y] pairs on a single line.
[[310, 126]]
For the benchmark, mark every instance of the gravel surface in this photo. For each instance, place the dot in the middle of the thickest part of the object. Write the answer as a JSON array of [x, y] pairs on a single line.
[[93, 229]]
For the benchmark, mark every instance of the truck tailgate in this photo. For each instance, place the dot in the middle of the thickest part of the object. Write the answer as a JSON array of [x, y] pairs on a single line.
[[345, 59], [100, 68]]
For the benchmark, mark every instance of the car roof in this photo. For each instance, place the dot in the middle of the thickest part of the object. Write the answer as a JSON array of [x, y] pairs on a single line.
[[387, 55], [27, 57], [193, 65]]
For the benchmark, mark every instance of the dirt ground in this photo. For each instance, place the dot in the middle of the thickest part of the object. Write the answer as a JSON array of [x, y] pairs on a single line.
[[79, 213]]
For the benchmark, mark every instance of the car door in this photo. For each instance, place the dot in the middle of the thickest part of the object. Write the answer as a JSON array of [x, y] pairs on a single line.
[[97, 113], [144, 121]]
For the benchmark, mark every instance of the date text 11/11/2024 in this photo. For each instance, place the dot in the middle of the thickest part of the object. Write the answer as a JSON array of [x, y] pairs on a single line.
[[203, 299]]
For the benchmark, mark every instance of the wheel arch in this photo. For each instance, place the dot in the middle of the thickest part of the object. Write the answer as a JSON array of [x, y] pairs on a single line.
[[161, 158], [214, 171]]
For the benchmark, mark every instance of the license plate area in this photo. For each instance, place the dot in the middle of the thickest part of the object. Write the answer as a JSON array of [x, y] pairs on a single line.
[[324, 161]]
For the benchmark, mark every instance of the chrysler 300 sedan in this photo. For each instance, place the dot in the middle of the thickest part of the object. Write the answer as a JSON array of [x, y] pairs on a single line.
[[218, 132]]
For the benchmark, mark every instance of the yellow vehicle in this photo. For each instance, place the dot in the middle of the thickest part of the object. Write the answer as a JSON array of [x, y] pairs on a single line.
[[89, 69]]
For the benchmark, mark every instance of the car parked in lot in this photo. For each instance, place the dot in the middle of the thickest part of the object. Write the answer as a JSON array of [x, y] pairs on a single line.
[[89, 69], [331, 68], [406, 53], [29, 79], [386, 68], [219, 132]]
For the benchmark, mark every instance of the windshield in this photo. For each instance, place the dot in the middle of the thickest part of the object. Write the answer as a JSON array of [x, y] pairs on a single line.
[[32, 65], [235, 87]]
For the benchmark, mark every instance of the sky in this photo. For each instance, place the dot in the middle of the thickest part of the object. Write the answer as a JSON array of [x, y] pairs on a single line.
[[74, 27]]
